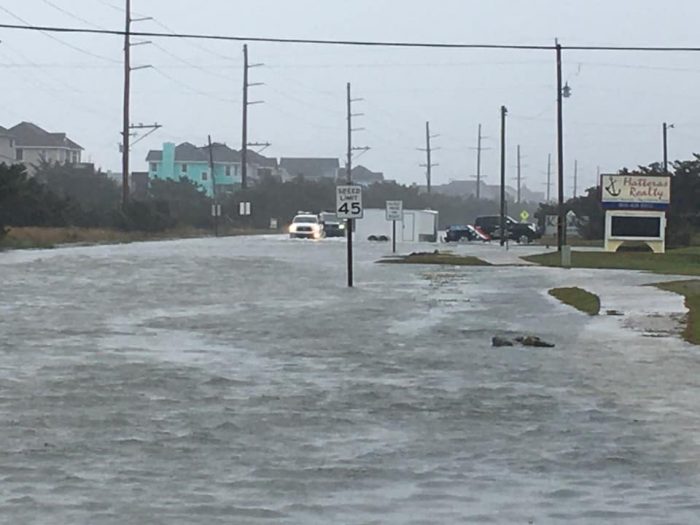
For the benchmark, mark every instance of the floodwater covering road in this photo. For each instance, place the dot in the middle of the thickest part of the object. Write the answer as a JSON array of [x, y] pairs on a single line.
[[238, 381]]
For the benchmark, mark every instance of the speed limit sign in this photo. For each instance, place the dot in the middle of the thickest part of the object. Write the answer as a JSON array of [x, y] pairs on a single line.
[[348, 202]]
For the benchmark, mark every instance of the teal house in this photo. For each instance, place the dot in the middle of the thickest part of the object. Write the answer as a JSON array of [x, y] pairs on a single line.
[[192, 162]]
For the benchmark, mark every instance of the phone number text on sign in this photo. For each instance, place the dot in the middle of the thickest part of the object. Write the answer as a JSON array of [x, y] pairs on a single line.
[[349, 202]]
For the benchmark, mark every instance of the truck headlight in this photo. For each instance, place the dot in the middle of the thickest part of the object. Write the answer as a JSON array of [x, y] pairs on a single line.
[[293, 228]]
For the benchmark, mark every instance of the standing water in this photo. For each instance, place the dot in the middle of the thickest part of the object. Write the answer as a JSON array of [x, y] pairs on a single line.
[[239, 381]]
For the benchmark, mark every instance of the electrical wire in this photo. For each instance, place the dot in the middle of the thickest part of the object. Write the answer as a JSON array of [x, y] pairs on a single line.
[[47, 33], [356, 43]]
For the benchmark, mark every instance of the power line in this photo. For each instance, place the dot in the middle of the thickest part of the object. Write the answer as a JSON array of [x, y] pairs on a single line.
[[358, 43], [47, 33]]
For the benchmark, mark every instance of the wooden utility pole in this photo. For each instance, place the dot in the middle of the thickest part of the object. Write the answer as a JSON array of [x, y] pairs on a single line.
[[575, 178], [429, 155], [429, 165], [126, 117], [519, 176], [244, 145], [549, 178], [212, 174], [561, 222], [504, 112]]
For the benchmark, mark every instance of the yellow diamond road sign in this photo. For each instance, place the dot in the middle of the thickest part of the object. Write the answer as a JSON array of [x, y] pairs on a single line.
[[524, 215]]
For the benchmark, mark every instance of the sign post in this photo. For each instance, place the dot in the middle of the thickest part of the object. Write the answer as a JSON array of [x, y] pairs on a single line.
[[394, 212], [216, 213], [348, 206]]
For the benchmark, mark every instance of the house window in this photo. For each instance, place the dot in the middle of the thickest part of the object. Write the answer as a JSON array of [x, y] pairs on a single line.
[[184, 168], [19, 154], [205, 175], [154, 166], [228, 171]]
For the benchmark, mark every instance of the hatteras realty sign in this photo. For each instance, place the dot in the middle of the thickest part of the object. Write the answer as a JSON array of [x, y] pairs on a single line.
[[636, 191]]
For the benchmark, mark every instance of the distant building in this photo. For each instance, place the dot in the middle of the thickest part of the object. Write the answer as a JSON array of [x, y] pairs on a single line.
[[309, 168], [7, 147], [192, 162], [34, 145], [361, 176]]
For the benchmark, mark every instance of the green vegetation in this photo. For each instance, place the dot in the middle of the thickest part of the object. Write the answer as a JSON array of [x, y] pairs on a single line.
[[579, 298], [39, 237], [691, 291], [441, 258], [683, 261]]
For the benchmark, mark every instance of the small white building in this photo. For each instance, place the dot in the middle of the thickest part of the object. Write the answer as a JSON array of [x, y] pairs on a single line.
[[416, 226]]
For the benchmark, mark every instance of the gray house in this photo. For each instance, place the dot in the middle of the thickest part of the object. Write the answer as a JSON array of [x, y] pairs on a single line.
[[7, 147], [34, 145]]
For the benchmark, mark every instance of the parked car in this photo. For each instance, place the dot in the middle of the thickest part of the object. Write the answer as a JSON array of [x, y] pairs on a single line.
[[465, 232], [522, 232], [332, 226], [306, 226]]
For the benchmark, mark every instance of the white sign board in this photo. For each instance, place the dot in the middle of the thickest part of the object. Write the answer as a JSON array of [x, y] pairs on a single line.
[[394, 210], [244, 208], [348, 202], [640, 189], [216, 210]]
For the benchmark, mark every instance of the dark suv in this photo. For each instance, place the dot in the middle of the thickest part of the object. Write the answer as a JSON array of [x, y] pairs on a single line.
[[523, 232], [333, 226]]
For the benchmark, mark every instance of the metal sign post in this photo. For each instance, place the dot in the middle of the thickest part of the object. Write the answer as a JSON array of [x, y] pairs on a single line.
[[394, 212], [216, 213], [348, 206]]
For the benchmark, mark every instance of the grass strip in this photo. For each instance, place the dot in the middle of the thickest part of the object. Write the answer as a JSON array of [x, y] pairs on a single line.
[[691, 291], [579, 298], [683, 261], [438, 258], [45, 237]]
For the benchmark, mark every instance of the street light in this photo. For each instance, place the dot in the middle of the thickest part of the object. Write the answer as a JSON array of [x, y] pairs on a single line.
[[665, 138]]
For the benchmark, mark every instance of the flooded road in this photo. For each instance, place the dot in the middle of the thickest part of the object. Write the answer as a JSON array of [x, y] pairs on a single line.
[[239, 381]]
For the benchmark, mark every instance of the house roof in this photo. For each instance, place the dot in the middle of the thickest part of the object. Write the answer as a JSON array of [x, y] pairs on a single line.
[[313, 168], [362, 174], [29, 135], [188, 152]]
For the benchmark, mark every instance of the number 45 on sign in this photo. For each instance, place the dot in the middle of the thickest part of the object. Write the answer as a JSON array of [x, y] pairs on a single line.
[[349, 202]]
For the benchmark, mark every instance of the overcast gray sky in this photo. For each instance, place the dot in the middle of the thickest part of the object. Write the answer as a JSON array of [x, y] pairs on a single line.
[[72, 83]]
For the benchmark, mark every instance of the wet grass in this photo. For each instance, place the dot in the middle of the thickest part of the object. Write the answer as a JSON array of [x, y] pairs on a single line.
[[439, 258], [34, 237], [691, 291], [579, 298], [683, 261]]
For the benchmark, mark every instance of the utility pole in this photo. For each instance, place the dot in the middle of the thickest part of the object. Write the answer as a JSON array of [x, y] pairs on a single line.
[[575, 178], [246, 103], [429, 152], [549, 178], [244, 145], [212, 174], [126, 120], [478, 165], [127, 102], [504, 112], [519, 174], [348, 172], [665, 139], [479, 149], [561, 224]]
